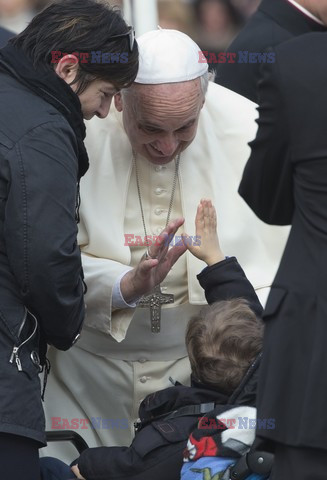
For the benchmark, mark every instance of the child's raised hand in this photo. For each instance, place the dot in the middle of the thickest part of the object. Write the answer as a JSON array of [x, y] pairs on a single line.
[[207, 246]]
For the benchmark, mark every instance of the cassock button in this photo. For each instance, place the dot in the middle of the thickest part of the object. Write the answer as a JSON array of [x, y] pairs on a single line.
[[158, 211], [158, 191], [143, 360], [143, 379], [158, 168]]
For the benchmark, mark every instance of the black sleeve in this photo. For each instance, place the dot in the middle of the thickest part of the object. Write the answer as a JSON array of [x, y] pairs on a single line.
[[226, 280], [108, 462], [267, 183], [163, 461], [41, 232]]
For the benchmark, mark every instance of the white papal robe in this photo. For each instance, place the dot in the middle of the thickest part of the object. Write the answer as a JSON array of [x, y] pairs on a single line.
[[118, 360]]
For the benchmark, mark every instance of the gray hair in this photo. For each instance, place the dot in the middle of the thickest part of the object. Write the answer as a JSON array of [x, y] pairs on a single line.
[[205, 79]]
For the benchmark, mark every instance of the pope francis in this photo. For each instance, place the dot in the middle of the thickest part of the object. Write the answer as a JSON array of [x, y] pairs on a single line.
[[173, 139]]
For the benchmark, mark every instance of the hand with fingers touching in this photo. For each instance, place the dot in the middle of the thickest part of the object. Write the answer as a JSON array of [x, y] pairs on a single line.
[[153, 266], [207, 247]]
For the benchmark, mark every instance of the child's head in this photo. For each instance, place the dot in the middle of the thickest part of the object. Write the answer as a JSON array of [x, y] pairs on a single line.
[[223, 343]]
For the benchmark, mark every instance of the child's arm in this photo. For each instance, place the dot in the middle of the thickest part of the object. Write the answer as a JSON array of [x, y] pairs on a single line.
[[150, 455], [107, 462], [223, 279]]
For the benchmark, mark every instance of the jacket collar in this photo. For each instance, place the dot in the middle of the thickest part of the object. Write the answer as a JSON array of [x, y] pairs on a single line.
[[289, 17]]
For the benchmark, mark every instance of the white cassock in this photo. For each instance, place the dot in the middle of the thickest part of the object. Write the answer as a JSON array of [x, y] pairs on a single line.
[[118, 360]]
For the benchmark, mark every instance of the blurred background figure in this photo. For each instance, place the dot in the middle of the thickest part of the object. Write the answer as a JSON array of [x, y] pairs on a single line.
[[246, 7], [213, 24], [16, 14], [218, 22], [177, 14]]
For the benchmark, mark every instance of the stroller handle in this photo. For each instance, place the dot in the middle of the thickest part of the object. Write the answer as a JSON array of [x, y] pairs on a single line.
[[68, 436]]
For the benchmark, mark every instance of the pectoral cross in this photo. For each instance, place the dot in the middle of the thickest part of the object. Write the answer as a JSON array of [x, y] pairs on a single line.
[[154, 300]]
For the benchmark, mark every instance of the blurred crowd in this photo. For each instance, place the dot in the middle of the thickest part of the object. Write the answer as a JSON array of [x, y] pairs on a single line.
[[211, 23], [15, 14]]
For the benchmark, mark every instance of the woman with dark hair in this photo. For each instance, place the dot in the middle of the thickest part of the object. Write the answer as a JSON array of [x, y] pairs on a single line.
[[65, 66]]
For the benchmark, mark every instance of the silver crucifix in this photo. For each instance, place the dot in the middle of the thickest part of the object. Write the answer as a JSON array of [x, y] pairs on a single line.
[[154, 300]]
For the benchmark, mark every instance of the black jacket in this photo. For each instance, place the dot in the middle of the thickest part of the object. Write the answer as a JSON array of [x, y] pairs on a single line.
[[157, 450], [5, 35], [285, 182], [274, 22], [41, 288]]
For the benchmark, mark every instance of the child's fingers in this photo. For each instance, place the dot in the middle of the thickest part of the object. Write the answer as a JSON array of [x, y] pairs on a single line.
[[214, 217], [199, 220], [206, 214], [209, 215]]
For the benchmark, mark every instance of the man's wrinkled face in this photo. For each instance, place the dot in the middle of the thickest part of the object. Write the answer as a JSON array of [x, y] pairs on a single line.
[[161, 120]]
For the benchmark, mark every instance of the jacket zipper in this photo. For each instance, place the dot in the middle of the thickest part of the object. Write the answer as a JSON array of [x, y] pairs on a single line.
[[14, 354]]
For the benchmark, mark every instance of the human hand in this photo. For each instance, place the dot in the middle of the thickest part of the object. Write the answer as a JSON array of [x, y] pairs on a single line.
[[76, 472], [207, 248], [153, 270]]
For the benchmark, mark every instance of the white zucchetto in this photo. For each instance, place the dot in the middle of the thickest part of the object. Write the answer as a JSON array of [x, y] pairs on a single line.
[[168, 56]]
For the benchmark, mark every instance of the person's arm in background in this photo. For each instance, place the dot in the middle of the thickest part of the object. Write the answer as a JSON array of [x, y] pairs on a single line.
[[40, 230], [223, 278], [267, 183]]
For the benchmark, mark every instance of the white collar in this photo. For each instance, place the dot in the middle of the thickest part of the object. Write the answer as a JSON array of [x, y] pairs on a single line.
[[306, 12]]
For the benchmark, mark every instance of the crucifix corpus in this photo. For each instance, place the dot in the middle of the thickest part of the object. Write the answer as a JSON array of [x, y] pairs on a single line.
[[154, 300]]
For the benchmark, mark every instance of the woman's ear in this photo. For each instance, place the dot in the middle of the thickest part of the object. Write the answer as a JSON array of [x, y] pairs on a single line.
[[67, 68], [118, 101]]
